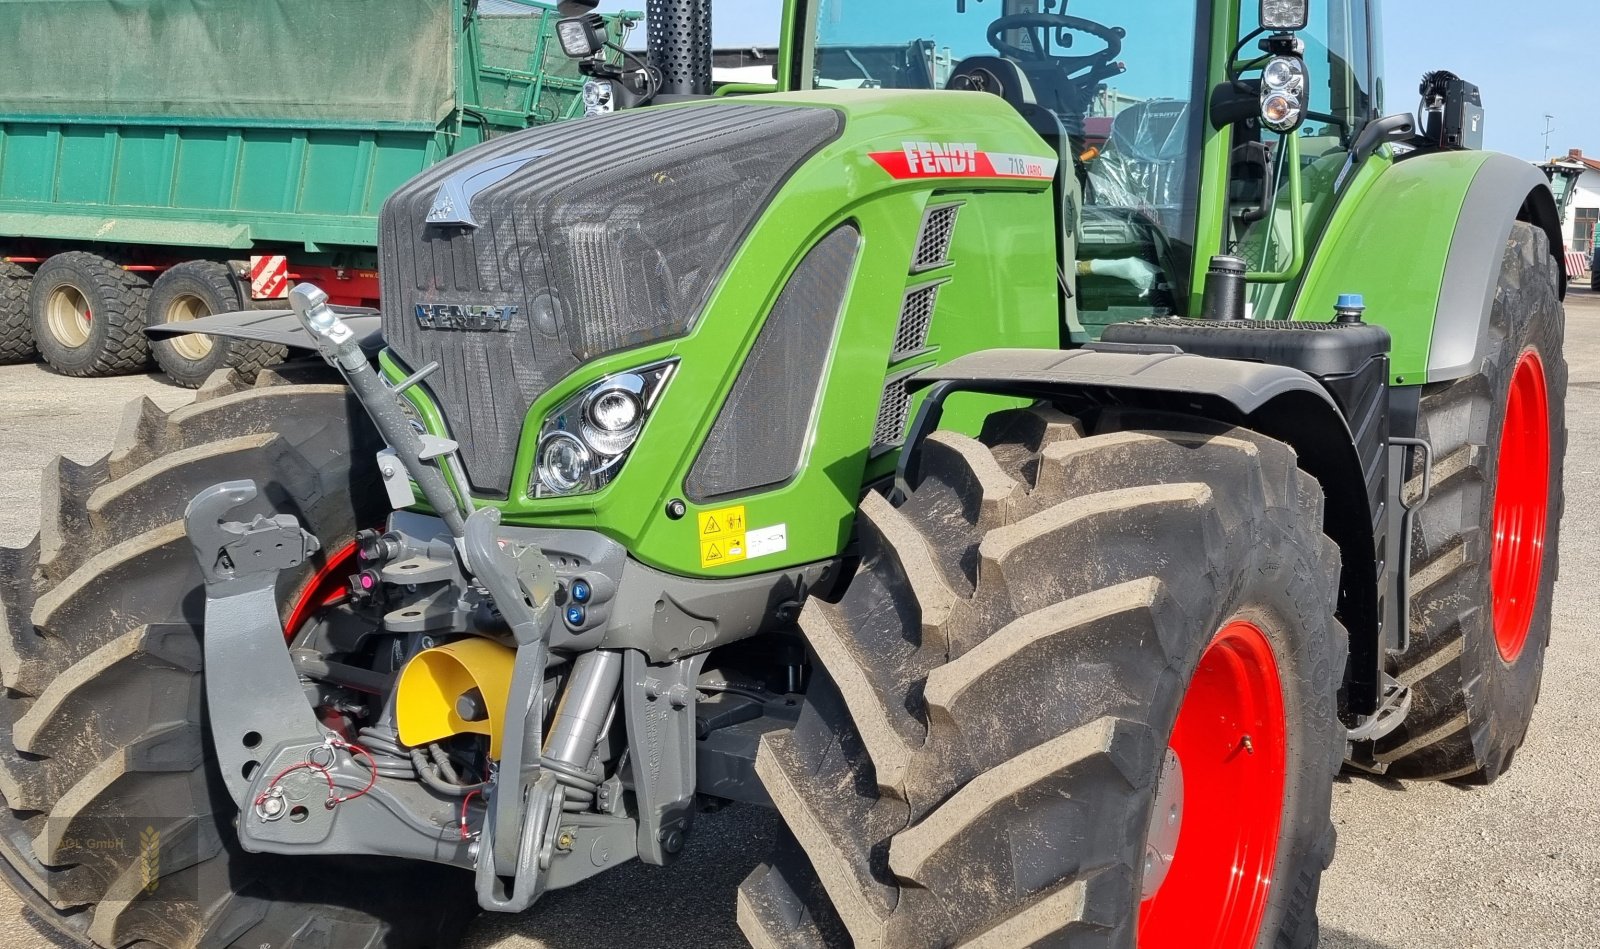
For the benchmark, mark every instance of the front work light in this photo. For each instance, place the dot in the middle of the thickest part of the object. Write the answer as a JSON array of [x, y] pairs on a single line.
[[1283, 88], [584, 442], [581, 36], [1285, 15]]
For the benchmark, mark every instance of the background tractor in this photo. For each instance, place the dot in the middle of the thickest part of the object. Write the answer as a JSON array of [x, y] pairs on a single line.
[[1031, 448]]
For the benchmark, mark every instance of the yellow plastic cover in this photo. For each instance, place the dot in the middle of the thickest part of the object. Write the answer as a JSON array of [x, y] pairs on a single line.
[[433, 682]]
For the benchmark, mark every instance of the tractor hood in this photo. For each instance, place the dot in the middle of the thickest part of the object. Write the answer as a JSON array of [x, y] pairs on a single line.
[[516, 262]]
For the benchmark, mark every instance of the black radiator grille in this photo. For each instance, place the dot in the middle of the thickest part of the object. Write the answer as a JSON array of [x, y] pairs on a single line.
[[933, 244], [760, 434], [606, 234]]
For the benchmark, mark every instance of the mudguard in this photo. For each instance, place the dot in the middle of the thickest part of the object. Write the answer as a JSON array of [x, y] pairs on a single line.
[[281, 327], [1277, 401], [1422, 239]]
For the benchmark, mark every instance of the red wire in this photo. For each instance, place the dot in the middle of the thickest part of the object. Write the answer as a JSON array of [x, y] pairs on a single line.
[[308, 765], [464, 804], [333, 799], [372, 769]]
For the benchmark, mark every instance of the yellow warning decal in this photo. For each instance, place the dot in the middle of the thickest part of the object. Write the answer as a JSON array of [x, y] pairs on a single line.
[[722, 537]]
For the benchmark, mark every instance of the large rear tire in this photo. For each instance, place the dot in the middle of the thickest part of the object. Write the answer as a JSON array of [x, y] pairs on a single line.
[[192, 290], [88, 316], [1081, 691], [1485, 549], [117, 828]]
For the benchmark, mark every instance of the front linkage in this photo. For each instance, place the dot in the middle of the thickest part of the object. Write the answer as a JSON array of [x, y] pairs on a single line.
[[545, 814]]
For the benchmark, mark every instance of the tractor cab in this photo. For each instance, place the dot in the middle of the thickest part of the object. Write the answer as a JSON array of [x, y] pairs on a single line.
[[1123, 92]]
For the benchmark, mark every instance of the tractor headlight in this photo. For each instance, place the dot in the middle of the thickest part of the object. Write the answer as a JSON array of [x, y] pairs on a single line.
[[1283, 87], [599, 98], [584, 442]]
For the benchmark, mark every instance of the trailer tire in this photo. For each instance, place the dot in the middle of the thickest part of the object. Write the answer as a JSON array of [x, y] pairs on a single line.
[[1476, 660], [983, 753], [16, 326], [117, 828], [88, 316], [191, 290]]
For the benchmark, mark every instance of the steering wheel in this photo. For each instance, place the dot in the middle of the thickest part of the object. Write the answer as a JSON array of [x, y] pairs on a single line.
[[1047, 29]]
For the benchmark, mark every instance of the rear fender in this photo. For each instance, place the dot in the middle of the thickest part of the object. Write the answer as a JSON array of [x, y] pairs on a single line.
[[1423, 241], [1279, 402]]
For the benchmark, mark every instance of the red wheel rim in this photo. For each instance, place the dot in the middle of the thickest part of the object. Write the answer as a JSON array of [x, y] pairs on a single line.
[[1230, 749], [330, 585], [1521, 506]]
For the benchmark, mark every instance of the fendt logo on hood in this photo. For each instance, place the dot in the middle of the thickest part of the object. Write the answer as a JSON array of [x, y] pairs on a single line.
[[934, 158], [961, 160], [470, 319]]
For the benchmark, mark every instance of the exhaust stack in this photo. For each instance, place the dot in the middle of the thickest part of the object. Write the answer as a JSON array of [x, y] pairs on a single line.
[[680, 45]]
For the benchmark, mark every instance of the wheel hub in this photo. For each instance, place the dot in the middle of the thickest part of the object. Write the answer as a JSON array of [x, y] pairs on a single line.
[[69, 316], [1521, 506], [1213, 839], [1166, 822], [184, 309]]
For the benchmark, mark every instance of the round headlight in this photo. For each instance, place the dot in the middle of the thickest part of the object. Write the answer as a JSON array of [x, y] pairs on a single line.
[[615, 411], [1281, 112], [1284, 75], [563, 463]]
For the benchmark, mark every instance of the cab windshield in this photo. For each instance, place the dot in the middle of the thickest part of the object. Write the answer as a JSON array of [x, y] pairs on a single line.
[[1115, 85]]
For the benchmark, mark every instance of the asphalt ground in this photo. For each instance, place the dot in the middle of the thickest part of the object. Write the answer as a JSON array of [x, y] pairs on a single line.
[[1420, 866]]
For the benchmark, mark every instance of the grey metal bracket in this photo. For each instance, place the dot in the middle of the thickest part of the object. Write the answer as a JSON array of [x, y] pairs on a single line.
[[1393, 707], [264, 734], [516, 843], [1403, 574], [658, 702], [254, 695]]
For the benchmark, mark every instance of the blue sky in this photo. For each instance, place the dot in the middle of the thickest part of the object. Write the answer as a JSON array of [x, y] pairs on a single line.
[[1528, 59]]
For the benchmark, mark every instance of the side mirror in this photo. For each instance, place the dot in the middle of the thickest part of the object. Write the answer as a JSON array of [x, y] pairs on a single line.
[[1285, 16]]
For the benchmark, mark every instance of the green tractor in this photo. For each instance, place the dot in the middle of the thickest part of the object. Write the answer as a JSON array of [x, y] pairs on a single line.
[[1032, 449]]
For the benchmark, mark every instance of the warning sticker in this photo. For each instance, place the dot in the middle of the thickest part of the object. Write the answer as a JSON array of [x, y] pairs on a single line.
[[722, 539]]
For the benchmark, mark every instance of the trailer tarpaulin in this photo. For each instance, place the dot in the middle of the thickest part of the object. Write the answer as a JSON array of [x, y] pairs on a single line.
[[357, 62]]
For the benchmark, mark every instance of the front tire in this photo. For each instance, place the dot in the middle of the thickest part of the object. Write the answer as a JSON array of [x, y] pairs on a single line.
[[117, 829], [986, 754], [1484, 550]]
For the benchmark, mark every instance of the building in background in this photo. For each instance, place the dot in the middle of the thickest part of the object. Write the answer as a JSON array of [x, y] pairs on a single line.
[[1581, 203]]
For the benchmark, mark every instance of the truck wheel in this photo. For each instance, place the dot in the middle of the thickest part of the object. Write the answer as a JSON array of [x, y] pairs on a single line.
[[1081, 691], [189, 291], [88, 316], [16, 328], [117, 829], [1484, 555]]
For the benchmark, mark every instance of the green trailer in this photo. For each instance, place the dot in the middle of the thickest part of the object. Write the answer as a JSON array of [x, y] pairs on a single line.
[[222, 150]]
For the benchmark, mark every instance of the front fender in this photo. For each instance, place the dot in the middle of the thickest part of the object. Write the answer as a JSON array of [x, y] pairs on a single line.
[[1423, 241]]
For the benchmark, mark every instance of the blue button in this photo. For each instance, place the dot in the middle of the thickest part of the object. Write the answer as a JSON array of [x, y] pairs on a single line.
[[1350, 301], [581, 591], [576, 615]]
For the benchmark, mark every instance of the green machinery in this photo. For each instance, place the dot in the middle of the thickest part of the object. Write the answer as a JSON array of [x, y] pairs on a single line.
[[192, 148], [1033, 446]]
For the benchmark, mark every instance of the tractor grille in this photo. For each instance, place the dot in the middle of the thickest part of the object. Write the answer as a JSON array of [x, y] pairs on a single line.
[[586, 238], [916, 318], [894, 412], [933, 244], [760, 434]]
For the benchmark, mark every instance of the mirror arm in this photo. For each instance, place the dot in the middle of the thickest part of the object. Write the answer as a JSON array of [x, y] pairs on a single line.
[[1393, 128]]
